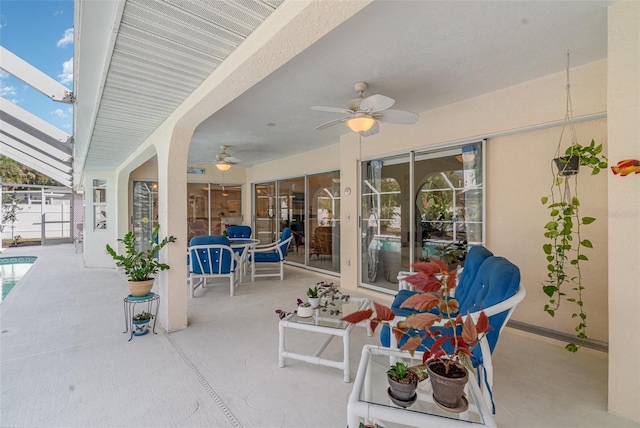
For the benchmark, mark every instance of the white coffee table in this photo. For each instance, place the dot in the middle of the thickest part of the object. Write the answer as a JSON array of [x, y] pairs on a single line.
[[369, 400], [325, 323]]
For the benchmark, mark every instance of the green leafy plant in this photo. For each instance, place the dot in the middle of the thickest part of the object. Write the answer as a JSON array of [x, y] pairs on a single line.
[[563, 252], [140, 265], [143, 316], [398, 371], [450, 344], [313, 292]]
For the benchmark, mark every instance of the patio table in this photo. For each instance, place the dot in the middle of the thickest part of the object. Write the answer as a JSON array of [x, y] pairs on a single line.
[[324, 322], [245, 244]]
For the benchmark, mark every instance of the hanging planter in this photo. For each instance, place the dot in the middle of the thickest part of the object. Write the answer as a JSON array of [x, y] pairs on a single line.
[[567, 165], [564, 249]]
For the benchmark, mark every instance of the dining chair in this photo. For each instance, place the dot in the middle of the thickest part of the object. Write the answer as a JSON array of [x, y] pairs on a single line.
[[270, 254], [211, 257]]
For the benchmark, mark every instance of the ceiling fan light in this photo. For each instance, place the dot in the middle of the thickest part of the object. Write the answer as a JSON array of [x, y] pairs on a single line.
[[361, 122], [223, 166]]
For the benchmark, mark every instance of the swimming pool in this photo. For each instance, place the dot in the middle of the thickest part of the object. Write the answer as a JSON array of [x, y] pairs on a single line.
[[12, 269]]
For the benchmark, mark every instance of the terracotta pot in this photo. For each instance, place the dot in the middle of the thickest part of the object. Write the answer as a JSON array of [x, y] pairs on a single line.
[[140, 288], [447, 391], [403, 391]]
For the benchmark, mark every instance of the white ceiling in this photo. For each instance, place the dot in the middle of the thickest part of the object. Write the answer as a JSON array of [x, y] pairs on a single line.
[[424, 54]]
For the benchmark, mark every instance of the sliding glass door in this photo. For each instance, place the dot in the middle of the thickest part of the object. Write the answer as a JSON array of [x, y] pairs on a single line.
[[310, 207], [413, 205]]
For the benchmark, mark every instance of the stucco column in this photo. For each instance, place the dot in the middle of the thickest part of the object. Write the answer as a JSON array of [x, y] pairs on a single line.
[[623, 111], [172, 217]]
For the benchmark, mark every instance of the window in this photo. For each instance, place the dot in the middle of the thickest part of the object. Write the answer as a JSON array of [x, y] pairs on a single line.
[[99, 204]]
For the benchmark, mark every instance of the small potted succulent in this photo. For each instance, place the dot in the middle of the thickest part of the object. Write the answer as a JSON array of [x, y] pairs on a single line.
[[402, 384], [314, 298], [141, 323], [447, 348]]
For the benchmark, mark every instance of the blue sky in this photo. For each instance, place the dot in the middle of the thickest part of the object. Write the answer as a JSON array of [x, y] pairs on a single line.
[[41, 33]]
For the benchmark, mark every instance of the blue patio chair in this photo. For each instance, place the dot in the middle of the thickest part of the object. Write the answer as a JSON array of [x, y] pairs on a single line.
[[211, 257], [239, 232], [270, 254], [496, 290], [475, 257]]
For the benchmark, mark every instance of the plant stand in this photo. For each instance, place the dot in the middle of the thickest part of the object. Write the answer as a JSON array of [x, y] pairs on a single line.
[[130, 303]]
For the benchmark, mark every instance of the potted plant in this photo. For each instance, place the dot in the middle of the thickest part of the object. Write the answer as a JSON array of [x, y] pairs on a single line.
[[402, 384], [314, 298], [448, 348], [305, 310], [140, 266], [141, 323], [563, 251]]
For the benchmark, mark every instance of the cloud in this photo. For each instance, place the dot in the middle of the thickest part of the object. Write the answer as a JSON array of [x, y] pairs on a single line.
[[3, 21], [66, 39], [58, 12], [59, 113], [67, 72], [8, 92]]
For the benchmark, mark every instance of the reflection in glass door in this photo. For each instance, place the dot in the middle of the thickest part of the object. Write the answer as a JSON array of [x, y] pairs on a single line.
[[145, 212], [385, 221], [291, 196], [324, 221], [265, 212]]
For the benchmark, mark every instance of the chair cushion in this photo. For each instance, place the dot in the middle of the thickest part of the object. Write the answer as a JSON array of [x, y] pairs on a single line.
[[266, 257], [475, 257], [214, 260], [239, 231], [286, 234]]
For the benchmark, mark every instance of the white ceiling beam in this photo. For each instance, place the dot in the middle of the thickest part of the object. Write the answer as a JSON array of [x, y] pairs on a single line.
[[36, 164], [61, 164], [33, 77], [33, 121]]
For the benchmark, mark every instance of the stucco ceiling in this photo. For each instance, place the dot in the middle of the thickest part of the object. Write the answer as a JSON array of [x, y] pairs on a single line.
[[424, 54]]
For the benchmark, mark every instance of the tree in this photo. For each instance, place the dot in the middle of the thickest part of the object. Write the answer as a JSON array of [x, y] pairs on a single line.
[[16, 173]]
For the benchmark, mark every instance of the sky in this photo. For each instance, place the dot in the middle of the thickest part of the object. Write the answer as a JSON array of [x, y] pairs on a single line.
[[41, 33]]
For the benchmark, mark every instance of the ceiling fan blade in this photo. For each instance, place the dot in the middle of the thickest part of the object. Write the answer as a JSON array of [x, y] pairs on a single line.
[[332, 109], [231, 159], [376, 103], [374, 130], [397, 116], [331, 123]]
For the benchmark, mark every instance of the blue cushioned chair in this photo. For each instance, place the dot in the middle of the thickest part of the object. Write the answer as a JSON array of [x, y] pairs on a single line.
[[270, 254], [239, 232], [475, 257], [496, 290], [211, 257]]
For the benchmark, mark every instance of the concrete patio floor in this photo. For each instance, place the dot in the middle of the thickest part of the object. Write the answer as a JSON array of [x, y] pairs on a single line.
[[66, 363]]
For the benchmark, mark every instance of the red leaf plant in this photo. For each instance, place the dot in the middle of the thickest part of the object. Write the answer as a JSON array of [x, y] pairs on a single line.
[[435, 306]]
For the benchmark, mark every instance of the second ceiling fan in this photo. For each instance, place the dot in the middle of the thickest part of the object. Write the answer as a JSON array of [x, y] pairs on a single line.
[[363, 114]]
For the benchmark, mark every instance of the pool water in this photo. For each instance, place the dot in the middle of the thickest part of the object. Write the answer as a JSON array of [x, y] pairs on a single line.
[[12, 269]]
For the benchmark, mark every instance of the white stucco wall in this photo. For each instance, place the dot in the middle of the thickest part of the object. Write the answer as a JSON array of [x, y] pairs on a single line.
[[624, 209]]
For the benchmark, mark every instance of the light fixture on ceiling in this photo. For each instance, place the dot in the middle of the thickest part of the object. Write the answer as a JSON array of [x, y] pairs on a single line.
[[360, 122], [468, 154], [223, 166]]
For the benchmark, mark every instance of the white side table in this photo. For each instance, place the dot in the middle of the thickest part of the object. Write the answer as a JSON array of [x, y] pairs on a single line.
[[369, 399], [325, 323]]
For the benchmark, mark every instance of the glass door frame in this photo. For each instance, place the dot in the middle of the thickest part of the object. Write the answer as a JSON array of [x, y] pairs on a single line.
[[412, 215]]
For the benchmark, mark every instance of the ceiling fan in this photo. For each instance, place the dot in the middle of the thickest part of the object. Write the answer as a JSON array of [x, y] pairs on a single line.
[[224, 160], [363, 114]]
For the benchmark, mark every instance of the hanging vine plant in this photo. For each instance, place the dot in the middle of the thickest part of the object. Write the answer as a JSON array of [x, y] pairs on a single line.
[[564, 251]]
